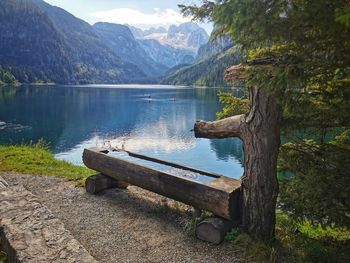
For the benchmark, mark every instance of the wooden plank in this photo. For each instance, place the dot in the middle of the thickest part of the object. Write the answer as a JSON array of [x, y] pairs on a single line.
[[197, 194]]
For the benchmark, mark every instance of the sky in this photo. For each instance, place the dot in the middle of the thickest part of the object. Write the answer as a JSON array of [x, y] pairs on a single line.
[[139, 13]]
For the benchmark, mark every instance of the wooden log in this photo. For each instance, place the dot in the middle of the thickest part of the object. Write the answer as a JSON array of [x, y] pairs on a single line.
[[222, 199], [228, 127], [235, 72], [213, 230], [99, 182]]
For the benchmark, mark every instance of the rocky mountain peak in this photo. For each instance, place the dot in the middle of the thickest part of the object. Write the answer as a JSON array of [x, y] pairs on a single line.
[[188, 36]]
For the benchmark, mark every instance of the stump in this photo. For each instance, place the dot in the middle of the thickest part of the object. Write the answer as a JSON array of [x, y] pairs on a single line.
[[213, 230], [99, 182]]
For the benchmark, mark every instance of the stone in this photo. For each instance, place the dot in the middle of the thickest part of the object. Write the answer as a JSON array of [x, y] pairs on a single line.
[[3, 183], [29, 232]]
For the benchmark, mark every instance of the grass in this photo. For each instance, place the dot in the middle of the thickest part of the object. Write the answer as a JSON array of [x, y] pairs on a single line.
[[38, 160], [296, 241], [304, 242]]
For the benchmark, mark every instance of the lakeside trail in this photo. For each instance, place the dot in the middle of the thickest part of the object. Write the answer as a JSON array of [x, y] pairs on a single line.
[[130, 225]]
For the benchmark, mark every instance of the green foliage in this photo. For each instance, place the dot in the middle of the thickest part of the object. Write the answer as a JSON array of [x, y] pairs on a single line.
[[320, 185], [302, 241], [36, 159], [233, 234], [343, 16], [3, 257], [296, 241], [254, 250], [232, 105], [298, 51]]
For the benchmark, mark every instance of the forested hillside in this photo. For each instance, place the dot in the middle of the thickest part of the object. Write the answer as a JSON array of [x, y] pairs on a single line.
[[93, 59], [121, 41], [42, 43], [209, 68], [6, 77], [31, 48]]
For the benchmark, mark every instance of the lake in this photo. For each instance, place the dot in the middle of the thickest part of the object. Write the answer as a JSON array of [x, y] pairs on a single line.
[[147, 119]]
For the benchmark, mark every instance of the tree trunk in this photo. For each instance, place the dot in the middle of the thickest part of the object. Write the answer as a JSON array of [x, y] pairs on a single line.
[[261, 140], [260, 131]]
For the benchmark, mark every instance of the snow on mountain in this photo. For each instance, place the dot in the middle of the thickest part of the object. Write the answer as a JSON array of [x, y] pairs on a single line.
[[188, 36]]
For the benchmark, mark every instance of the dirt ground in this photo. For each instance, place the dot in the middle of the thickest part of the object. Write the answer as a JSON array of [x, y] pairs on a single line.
[[130, 225]]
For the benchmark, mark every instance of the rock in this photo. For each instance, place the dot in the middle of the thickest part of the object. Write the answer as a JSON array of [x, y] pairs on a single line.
[[29, 232], [3, 183]]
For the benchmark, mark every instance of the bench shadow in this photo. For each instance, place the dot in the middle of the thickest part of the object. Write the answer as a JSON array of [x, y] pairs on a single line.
[[143, 203]]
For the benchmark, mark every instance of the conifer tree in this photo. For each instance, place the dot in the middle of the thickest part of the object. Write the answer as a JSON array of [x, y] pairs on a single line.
[[297, 72]]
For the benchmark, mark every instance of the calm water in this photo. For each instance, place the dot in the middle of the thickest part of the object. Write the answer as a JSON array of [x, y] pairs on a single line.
[[151, 120]]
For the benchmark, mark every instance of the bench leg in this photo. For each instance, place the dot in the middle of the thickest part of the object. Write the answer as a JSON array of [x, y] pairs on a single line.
[[213, 230], [99, 182]]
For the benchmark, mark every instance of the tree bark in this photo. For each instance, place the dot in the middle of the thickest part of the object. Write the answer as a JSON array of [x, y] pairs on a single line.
[[259, 130], [229, 127]]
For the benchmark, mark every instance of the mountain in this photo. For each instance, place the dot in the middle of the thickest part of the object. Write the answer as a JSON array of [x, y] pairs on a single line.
[[7, 77], [212, 48], [153, 30], [137, 32], [40, 42], [188, 36], [175, 46], [122, 42], [93, 59], [30, 47], [209, 67], [165, 54], [44, 43]]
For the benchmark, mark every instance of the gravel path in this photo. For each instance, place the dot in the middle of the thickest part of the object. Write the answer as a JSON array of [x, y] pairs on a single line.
[[123, 225]]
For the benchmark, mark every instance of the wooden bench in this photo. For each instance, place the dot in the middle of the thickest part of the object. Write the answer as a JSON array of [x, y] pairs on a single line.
[[220, 195]]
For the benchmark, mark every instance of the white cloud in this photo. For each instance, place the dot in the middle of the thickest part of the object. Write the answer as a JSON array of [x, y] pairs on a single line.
[[135, 17]]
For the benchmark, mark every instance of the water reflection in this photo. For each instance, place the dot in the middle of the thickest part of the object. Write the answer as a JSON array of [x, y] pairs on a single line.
[[152, 120]]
